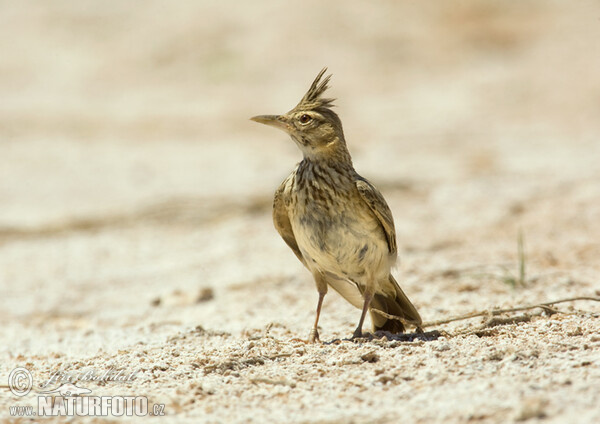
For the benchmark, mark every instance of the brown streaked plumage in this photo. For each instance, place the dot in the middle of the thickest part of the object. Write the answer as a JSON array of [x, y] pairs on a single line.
[[335, 221]]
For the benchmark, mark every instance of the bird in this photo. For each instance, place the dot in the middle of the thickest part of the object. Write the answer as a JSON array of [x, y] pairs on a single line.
[[335, 221]]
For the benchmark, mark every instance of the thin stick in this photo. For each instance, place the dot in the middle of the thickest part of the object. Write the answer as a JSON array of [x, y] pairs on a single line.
[[521, 251], [545, 306], [394, 317]]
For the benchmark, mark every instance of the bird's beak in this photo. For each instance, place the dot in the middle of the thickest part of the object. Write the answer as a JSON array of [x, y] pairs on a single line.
[[276, 121]]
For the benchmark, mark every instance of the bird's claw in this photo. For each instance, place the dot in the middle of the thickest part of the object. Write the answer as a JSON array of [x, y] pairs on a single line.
[[358, 334], [313, 337]]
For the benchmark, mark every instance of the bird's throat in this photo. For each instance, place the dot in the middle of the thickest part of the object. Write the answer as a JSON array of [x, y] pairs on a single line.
[[332, 153]]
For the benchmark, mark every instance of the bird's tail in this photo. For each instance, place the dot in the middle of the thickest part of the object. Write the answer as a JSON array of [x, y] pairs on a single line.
[[398, 305]]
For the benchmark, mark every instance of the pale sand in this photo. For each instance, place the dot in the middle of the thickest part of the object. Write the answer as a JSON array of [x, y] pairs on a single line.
[[135, 194]]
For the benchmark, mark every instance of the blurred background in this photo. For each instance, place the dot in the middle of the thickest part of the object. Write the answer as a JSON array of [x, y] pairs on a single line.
[[131, 177]]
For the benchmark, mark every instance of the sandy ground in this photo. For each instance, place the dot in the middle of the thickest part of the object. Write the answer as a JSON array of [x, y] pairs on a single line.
[[135, 194]]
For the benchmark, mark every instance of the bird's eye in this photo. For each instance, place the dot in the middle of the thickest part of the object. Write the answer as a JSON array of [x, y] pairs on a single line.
[[305, 119]]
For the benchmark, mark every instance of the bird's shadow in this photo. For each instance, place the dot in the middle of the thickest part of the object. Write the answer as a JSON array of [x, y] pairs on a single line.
[[426, 336]]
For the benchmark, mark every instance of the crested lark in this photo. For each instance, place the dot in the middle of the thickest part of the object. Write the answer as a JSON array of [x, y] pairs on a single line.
[[335, 221]]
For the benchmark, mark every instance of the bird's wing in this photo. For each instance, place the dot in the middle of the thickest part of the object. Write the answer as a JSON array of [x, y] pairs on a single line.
[[281, 219], [379, 207]]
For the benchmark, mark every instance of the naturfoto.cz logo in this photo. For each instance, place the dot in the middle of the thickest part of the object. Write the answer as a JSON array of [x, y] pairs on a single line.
[[68, 399]]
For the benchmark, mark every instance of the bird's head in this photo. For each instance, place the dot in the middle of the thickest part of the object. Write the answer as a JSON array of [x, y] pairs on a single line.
[[312, 124]]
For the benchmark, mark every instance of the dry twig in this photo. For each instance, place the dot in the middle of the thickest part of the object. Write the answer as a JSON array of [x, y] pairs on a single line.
[[492, 314], [547, 306]]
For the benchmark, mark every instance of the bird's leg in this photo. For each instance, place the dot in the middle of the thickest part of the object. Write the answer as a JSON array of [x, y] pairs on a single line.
[[322, 289], [358, 332], [314, 333]]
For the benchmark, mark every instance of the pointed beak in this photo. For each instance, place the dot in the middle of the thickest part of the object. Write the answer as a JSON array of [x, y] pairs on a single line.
[[276, 121]]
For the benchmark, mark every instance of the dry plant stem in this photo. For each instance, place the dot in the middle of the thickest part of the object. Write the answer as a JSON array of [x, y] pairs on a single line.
[[546, 306], [493, 322], [521, 251], [397, 318]]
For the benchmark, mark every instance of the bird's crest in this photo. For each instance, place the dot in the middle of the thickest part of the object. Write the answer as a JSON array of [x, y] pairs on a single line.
[[312, 99]]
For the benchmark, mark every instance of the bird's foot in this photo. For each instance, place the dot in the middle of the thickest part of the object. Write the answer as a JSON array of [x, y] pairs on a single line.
[[313, 337], [358, 334]]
